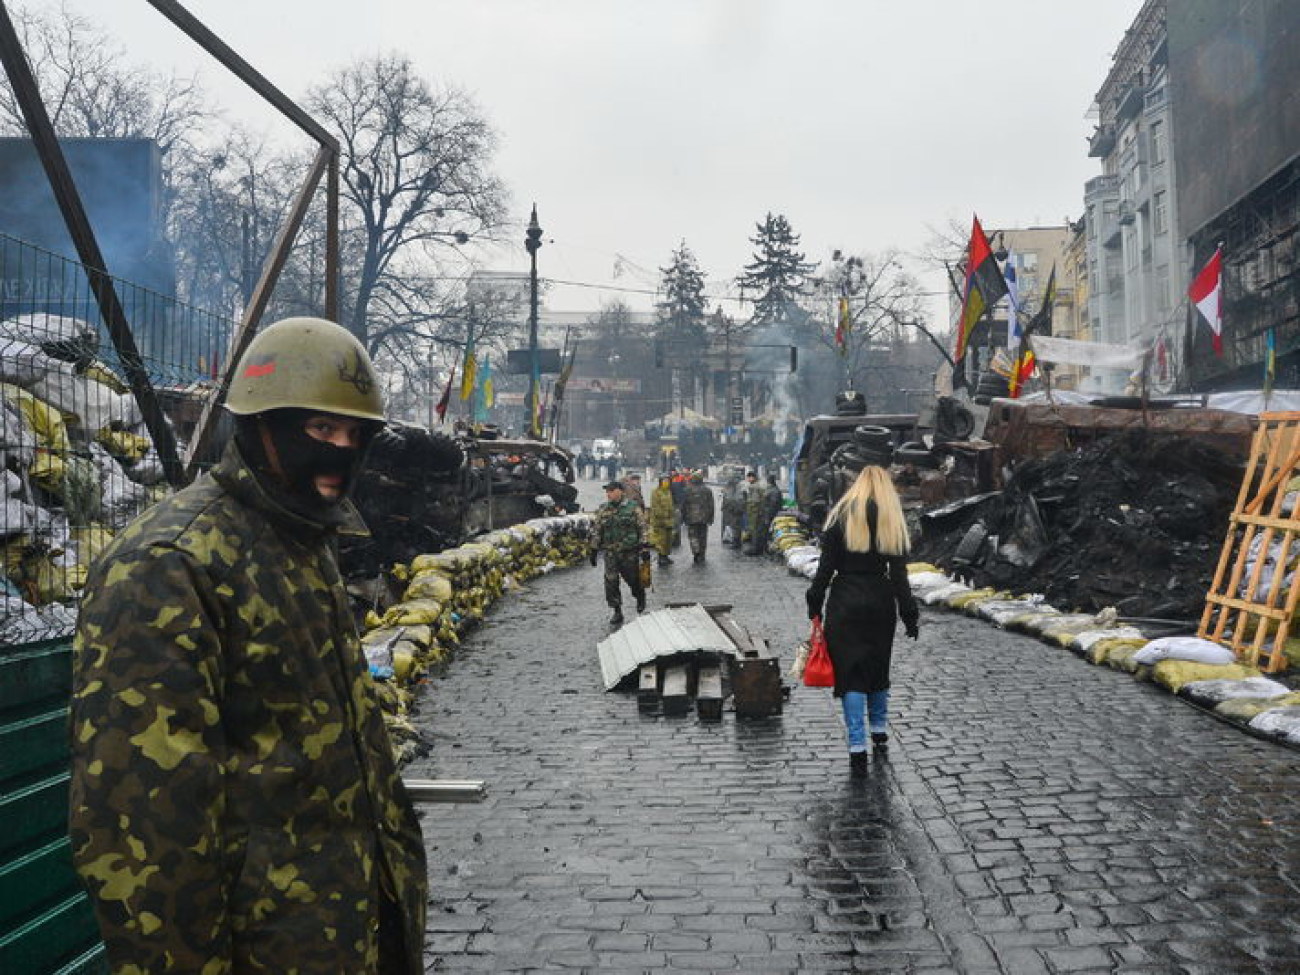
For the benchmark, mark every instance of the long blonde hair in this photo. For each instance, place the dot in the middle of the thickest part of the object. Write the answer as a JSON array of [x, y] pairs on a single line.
[[873, 484]]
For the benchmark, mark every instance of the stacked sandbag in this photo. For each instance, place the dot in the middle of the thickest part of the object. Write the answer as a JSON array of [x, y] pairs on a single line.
[[791, 540], [448, 592], [78, 460]]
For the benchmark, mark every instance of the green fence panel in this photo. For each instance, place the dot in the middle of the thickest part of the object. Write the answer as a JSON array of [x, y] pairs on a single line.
[[46, 925]]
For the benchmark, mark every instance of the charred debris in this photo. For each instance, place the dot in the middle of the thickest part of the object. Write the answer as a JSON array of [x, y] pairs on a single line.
[[426, 491], [1134, 520]]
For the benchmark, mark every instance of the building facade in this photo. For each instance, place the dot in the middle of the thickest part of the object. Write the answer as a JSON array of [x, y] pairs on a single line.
[[1135, 258], [1236, 94]]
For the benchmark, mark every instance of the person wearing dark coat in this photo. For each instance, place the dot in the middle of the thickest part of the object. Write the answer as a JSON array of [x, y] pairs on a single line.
[[861, 590]]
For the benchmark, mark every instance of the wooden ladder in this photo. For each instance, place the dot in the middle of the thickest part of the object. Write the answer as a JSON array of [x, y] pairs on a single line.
[[1250, 606]]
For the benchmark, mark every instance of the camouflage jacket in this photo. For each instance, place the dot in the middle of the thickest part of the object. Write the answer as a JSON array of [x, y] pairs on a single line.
[[697, 505], [661, 508], [235, 805], [620, 527]]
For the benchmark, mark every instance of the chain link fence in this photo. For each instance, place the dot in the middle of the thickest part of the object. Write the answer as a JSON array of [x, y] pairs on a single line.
[[78, 463]]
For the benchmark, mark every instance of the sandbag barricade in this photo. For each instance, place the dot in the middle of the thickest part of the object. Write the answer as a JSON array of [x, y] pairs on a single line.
[[447, 593]]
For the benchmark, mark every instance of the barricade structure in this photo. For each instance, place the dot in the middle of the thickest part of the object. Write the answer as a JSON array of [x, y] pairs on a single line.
[[1251, 605]]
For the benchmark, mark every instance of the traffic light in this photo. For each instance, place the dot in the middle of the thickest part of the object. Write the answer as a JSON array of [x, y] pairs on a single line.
[[659, 353], [794, 358]]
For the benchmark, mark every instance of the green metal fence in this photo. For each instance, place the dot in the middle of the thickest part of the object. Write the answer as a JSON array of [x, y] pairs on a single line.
[[76, 464]]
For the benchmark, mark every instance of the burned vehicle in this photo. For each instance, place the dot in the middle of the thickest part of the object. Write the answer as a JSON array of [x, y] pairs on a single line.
[[834, 448], [425, 490]]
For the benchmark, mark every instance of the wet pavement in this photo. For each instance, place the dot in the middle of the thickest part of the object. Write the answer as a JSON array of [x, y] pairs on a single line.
[[1035, 813]]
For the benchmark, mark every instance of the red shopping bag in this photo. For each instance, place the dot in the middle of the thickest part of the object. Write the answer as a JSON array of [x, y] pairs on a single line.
[[818, 672]]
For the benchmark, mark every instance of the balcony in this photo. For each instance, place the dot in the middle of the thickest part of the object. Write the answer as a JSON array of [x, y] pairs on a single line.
[[1102, 141], [1126, 214]]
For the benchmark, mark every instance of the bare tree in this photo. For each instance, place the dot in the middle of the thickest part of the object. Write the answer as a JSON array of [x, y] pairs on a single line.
[[416, 175], [883, 302], [91, 90]]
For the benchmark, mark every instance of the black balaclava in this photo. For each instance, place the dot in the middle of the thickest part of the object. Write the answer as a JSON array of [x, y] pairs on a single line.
[[301, 458]]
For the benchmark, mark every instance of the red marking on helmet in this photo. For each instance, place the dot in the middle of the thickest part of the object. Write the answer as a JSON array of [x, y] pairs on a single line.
[[254, 370]]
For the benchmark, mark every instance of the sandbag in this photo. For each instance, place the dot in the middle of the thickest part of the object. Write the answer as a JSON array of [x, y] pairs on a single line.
[[22, 363], [1283, 722], [1244, 709], [91, 404], [1212, 692], [1174, 674], [1101, 651], [942, 594], [46, 423], [1084, 641], [1192, 648], [430, 585], [424, 611]]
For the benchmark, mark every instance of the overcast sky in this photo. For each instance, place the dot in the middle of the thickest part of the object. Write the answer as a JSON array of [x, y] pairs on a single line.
[[637, 124]]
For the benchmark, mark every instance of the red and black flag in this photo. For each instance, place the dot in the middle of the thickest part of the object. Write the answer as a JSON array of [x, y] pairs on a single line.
[[984, 286], [441, 408]]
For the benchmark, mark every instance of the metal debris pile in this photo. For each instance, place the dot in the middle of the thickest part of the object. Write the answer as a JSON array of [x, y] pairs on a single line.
[[1135, 521]]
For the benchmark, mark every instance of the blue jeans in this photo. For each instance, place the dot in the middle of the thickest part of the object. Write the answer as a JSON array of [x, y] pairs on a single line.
[[861, 709]]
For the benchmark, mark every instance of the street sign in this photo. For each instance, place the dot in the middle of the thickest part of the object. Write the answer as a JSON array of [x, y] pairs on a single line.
[[520, 361]]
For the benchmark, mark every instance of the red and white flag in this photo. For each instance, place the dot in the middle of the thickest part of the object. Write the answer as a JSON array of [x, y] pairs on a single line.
[[1206, 293]]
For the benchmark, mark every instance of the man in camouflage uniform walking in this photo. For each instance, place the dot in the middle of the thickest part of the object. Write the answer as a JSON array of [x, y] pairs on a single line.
[[235, 804], [697, 513], [621, 535]]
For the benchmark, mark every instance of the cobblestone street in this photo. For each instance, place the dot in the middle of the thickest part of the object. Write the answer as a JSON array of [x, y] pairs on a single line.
[[1035, 814]]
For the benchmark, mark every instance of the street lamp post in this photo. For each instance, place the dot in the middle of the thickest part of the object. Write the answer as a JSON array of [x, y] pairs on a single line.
[[533, 243]]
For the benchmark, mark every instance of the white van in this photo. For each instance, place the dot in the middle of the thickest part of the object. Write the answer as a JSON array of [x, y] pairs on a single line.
[[604, 449]]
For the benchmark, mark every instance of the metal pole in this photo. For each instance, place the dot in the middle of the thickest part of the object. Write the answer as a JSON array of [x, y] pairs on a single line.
[[532, 243]]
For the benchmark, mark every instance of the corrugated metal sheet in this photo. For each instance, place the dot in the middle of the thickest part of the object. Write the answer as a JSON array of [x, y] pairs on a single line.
[[663, 633]]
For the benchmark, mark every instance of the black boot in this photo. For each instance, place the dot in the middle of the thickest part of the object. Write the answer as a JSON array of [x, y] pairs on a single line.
[[880, 742], [617, 618], [857, 764], [640, 603]]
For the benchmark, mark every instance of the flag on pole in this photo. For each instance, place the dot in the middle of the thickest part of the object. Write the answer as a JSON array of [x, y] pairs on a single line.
[[1026, 361], [489, 390], [843, 322], [1013, 301], [1270, 360], [469, 374], [441, 408], [1206, 293], [984, 286]]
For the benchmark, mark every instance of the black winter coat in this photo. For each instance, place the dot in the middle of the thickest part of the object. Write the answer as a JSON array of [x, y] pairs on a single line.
[[868, 594]]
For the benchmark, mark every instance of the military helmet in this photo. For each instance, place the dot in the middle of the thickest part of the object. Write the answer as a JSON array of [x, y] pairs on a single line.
[[306, 364]]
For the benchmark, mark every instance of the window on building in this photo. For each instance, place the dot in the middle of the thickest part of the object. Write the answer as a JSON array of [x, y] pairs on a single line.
[[1158, 147], [1162, 288], [1029, 261], [1160, 212]]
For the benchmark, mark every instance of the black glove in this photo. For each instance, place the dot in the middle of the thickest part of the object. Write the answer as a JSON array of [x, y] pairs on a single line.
[[594, 555], [814, 606], [911, 628]]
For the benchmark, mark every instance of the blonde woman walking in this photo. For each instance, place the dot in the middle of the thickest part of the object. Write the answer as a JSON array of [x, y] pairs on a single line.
[[864, 566]]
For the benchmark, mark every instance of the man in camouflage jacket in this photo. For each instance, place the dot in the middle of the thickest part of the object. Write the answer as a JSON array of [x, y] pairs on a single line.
[[697, 513], [235, 804], [621, 534]]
